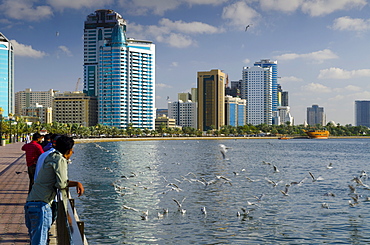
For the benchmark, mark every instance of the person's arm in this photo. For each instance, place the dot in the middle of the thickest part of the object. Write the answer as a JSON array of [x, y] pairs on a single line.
[[80, 189]]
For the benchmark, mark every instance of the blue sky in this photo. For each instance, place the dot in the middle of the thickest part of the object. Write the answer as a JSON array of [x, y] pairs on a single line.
[[322, 46]]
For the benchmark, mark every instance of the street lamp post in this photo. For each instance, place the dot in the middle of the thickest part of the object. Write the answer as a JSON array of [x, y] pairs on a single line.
[[1, 126]]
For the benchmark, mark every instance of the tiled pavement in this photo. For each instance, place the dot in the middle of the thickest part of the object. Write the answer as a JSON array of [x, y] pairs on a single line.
[[13, 194]]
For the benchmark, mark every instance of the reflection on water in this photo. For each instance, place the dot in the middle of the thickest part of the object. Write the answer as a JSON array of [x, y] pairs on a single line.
[[124, 179]]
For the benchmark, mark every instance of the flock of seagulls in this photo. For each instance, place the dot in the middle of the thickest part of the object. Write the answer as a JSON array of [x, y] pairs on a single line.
[[273, 179]]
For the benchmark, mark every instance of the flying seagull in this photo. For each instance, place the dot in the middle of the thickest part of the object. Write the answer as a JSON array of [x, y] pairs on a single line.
[[246, 28]]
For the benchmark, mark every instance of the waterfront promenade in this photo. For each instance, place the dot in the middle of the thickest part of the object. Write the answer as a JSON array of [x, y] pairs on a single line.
[[13, 194]]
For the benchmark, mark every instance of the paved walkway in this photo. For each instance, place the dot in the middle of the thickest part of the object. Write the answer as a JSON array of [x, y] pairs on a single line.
[[13, 194]]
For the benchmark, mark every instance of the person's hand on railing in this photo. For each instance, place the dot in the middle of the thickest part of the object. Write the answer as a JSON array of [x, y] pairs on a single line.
[[79, 187]]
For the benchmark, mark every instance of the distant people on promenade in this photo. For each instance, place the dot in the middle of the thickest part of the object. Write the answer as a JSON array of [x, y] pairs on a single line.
[[33, 151], [46, 142], [53, 176], [28, 139]]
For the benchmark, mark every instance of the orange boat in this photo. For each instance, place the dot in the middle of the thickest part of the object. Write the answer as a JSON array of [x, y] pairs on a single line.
[[284, 138], [318, 134]]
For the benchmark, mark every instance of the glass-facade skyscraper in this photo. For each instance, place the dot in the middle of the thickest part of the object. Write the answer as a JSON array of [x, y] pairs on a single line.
[[6, 76], [274, 77], [362, 113], [119, 71], [316, 115]]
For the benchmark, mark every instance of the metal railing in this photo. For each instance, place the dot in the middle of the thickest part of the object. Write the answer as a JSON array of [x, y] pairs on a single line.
[[70, 230]]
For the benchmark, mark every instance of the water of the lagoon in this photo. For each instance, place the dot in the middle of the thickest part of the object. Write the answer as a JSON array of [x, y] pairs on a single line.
[[150, 166]]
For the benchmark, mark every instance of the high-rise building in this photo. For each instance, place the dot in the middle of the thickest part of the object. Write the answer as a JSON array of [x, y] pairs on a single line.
[[75, 107], [28, 98], [234, 89], [256, 89], [235, 109], [6, 76], [362, 113], [265, 63], [194, 94], [211, 99], [185, 113], [316, 115], [120, 71], [184, 96]]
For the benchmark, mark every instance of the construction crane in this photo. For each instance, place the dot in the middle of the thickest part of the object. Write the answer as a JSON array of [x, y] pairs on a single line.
[[78, 84]]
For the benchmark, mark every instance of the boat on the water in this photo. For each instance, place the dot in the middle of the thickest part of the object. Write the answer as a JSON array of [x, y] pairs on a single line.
[[317, 134], [284, 138]]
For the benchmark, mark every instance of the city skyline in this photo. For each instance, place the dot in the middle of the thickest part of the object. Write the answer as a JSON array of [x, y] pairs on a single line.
[[320, 46]]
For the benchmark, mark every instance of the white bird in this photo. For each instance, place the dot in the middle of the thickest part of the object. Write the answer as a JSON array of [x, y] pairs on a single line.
[[359, 182], [204, 211], [285, 193], [299, 183], [363, 174], [179, 204], [352, 189], [330, 165], [325, 205], [329, 194], [267, 163], [313, 177], [274, 184], [246, 28], [276, 170], [129, 208], [223, 150]]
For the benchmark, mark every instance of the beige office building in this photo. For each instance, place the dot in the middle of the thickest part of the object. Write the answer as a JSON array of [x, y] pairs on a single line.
[[38, 113], [211, 99], [29, 98], [168, 122], [75, 107]]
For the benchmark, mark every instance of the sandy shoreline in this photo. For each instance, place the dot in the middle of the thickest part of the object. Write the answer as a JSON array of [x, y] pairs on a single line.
[[90, 140]]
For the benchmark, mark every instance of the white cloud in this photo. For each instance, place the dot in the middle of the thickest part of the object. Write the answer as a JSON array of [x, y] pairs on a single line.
[[65, 50], [318, 56], [316, 87], [352, 88], [190, 27], [347, 89], [26, 50], [78, 4], [174, 64], [210, 2], [162, 85], [290, 79], [281, 5], [144, 7], [346, 23], [178, 40], [174, 33], [324, 7], [246, 61], [25, 10], [239, 14], [338, 73]]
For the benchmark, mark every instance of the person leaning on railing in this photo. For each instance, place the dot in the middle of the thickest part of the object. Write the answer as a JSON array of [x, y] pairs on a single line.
[[53, 175]]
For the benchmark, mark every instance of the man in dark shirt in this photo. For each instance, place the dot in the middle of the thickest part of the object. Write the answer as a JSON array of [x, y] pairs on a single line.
[[33, 151]]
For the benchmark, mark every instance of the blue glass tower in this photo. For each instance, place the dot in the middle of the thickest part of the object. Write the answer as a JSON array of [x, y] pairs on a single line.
[[119, 71], [6, 76], [273, 64]]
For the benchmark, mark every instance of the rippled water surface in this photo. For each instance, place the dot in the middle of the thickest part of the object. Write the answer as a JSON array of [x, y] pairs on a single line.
[[123, 179]]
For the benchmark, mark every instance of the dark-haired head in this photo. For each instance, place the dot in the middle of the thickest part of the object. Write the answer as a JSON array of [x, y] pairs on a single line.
[[64, 144], [36, 136]]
